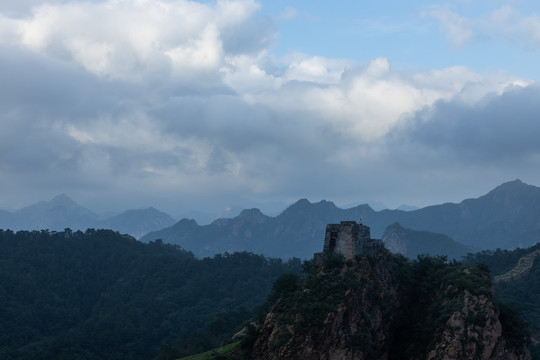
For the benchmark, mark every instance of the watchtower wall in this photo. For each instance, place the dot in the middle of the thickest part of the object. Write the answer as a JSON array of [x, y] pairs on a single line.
[[350, 238]]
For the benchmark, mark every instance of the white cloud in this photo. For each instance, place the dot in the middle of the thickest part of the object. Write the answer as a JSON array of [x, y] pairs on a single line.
[[458, 29], [508, 24], [204, 53], [289, 13], [132, 39], [247, 74], [531, 25], [316, 69], [366, 103], [177, 97]]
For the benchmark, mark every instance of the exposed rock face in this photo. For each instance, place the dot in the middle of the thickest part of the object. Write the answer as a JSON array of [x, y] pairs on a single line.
[[367, 313], [359, 328], [395, 239], [474, 332]]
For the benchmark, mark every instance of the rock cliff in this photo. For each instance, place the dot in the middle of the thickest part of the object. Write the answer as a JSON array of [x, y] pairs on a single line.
[[385, 307], [474, 332], [338, 314]]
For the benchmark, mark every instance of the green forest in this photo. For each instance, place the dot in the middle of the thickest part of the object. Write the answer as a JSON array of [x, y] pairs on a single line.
[[102, 295], [99, 294]]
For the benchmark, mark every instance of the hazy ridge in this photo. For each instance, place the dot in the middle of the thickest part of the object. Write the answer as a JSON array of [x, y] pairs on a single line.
[[506, 217]]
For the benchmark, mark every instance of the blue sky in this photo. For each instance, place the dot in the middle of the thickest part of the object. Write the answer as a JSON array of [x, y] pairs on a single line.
[[412, 34], [187, 105]]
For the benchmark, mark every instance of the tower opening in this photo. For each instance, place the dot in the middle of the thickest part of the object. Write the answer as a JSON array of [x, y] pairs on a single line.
[[333, 240]]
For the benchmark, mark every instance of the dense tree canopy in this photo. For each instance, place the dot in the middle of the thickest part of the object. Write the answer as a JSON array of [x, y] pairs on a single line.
[[99, 294], [521, 293]]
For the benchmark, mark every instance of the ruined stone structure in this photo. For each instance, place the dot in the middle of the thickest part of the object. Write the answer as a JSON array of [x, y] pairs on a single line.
[[350, 239]]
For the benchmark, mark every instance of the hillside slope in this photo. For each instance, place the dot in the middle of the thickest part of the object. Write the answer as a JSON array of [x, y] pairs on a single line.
[[102, 295], [137, 223], [524, 265], [412, 243], [521, 291]]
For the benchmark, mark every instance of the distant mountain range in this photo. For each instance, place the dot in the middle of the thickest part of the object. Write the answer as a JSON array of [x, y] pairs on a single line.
[[62, 212], [507, 217]]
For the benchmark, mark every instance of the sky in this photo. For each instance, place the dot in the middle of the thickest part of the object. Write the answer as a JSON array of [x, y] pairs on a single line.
[[201, 105]]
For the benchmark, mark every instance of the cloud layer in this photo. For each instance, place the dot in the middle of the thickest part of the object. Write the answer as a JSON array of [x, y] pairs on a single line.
[[176, 101], [504, 23]]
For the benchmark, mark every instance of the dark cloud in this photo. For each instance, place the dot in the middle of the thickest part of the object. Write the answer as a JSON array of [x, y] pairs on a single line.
[[239, 127], [38, 86], [501, 127]]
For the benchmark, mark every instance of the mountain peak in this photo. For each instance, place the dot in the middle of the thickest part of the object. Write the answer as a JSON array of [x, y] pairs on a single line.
[[56, 214], [513, 183], [514, 187], [187, 222], [252, 215], [251, 212], [301, 202], [327, 204], [304, 203], [62, 199]]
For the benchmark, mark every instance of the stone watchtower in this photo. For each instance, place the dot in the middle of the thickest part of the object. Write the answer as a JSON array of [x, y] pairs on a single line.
[[349, 239]]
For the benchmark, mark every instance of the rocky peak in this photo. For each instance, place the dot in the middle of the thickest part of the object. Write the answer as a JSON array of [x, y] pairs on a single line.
[[474, 332], [59, 201], [384, 307], [331, 315], [185, 222], [394, 239], [58, 213], [251, 214], [303, 206], [511, 191]]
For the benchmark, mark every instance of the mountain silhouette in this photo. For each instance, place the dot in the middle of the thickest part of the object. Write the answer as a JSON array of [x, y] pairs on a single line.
[[506, 217]]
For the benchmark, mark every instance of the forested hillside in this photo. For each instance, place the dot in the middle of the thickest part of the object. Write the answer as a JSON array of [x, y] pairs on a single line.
[[102, 295], [387, 307], [522, 292]]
